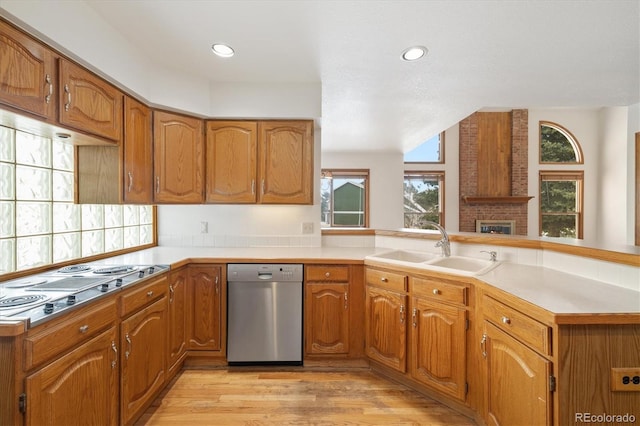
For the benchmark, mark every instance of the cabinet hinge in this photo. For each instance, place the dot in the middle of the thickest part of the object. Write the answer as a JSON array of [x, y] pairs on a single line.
[[22, 402], [466, 324], [466, 388], [552, 383]]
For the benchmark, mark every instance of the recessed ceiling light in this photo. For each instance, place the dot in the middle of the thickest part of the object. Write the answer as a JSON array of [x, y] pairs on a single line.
[[414, 53], [222, 50]]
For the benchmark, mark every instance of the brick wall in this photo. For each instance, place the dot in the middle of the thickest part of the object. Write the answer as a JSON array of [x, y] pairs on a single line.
[[469, 213]]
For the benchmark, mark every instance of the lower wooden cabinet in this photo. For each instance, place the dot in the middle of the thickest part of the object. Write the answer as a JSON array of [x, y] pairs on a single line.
[[386, 327], [438, 346], [81, 387], [177, 329], [326, 318], [204, 311], [517, 383], [143, 355]]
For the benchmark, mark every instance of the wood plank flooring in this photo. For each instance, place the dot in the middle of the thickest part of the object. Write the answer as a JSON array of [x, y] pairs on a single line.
[[293, 397]]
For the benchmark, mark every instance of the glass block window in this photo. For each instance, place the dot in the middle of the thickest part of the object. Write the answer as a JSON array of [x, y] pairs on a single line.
[[39, 224]]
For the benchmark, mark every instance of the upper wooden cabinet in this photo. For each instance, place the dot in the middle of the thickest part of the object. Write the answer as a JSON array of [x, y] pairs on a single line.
[[138, 153], [232, 150], [178, 146], [286, 162], [88, 103], [267, 162], [27, 73]]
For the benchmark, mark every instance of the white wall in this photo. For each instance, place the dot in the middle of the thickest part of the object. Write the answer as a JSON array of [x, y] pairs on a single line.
[[633, 123]]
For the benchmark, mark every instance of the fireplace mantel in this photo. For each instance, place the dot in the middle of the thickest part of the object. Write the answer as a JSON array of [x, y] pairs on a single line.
[[472, 199]]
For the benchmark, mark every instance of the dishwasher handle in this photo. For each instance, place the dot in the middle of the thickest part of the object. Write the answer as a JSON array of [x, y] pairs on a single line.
[[265, 275]]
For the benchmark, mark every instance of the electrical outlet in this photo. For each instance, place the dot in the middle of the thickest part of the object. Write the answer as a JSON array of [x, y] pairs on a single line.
[[204, 227], [625, 379], [307, 227]]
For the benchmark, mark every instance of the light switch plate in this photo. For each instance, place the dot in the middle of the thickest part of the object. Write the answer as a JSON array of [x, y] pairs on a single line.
[[307, 227]]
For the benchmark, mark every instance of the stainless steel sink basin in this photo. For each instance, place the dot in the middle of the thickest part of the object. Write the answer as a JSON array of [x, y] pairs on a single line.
[[405, 256]]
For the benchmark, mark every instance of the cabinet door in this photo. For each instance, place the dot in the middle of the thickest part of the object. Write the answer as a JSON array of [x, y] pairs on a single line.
[[327, 318], [438, 346], [143, 343], [178, 148], [204, 318], [27, 73], [286, 162], [88, 103], [232, 149], [177, 318], [138, 153], [386, 330], [517, 381], [79, 388]]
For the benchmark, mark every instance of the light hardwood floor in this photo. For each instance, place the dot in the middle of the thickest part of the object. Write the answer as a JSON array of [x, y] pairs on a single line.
[[293, 397]]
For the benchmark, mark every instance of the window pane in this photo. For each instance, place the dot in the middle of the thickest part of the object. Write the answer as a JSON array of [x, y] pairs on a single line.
[[7, 177], [146, 234], [7, 147], [427, 152], [7, 260], [33, 183], [92, 217], [7, 217], [62, 156], [92, 242], [112, 216], [421, 201], [33, 251], [66, 217], [325, 201], [66, 246], [146, 215], [62, 186], [558, 196], [113, 239], [348, 202], [556, 146], [559, 226], [131, 215], [35, 218], [131, 236], [33, 150]]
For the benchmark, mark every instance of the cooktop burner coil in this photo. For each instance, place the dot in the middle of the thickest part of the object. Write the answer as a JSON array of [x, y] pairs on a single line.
[[115, 269], [75, 269], [22, 300]]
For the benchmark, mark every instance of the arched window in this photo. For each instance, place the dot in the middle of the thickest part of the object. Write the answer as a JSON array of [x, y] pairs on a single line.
[[558, 145]]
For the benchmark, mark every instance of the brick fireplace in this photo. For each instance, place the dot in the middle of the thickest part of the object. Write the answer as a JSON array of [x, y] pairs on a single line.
[[477, 178]]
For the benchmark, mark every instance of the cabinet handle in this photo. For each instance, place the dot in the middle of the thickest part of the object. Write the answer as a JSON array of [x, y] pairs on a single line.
[[68, 92], [130, 181], [346, 300], [83, 329], [436, 291], [157, 184], [483, 345], [384, 279], [149, 293], [48, 80], [128, 351], [506, 320], [327, 274], [115, 354], [401, 314], [262, 187], [414, 317], [171, 291], [253, 186]]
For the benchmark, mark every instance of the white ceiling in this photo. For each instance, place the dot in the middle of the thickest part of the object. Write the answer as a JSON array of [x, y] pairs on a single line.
[[482, 54]]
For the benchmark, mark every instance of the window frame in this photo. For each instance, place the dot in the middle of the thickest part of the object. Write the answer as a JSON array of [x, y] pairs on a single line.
[[570, 137], [440, 174], [441, 136], [564, 175], [346, 173]]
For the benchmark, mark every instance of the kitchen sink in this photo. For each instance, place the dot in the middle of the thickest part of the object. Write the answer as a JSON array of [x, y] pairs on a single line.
[[405, 256], [458, 265]]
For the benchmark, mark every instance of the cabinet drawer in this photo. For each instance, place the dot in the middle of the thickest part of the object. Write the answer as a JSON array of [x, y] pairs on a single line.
[[141, 296], [439, 290], [517, 324], [388, 280], [45, 345], [327, 273]]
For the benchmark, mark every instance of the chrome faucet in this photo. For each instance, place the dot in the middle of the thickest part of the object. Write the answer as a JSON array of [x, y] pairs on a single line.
[[444, 241]]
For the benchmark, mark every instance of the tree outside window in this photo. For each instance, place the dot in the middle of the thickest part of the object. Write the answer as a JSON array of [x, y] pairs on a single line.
[[423, 199], [344, 198]]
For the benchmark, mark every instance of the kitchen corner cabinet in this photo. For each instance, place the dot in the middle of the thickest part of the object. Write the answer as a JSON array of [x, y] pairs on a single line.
[[27, 74], [138, 153], [386, 318], [268, 162], [327, 309], [79, 387], [178, 146], [177, 320], [143, 346], [88, 103], [204, 311], [438, 337]]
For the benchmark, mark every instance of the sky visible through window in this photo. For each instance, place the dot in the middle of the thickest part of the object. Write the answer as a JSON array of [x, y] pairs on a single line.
[[428, 151]]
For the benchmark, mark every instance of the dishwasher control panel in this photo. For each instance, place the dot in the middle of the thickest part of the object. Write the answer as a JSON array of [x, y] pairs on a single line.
[[264, 272]]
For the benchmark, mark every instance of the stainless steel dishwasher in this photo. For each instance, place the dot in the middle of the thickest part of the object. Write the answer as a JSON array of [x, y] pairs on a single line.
[[264, 314]]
